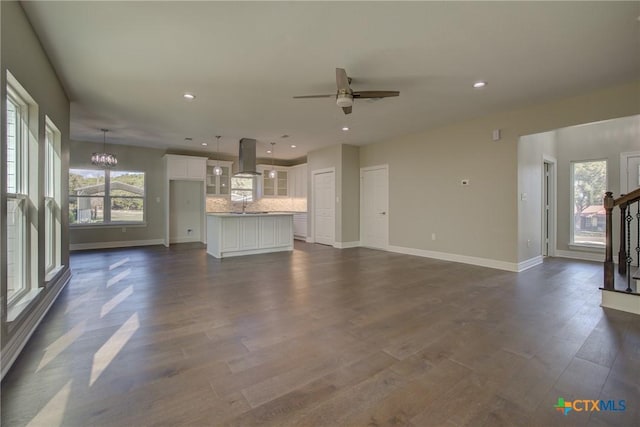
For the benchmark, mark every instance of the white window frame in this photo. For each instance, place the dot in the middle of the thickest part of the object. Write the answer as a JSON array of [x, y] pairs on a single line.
[[106, 221], [21, 271], [572, 242], [52, 199], [253, 189]]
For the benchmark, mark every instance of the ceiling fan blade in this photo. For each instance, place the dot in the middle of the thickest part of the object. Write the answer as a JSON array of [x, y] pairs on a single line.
[[375, 94], [347, 110], [342, 81], [315, 96]]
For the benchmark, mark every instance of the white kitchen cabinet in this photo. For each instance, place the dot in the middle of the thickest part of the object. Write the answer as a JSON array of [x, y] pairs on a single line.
[[218, 185], [298, 181], [237, 234], [185, 167], [274, 187], [300, 226]]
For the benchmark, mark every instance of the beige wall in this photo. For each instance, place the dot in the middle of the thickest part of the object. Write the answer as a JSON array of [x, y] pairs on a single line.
[[350, 193], [130, 158], [532, 150], [479, 220], [23, 56]]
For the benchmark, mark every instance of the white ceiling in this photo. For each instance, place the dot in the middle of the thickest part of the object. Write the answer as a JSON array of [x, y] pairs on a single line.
[[125, 65]]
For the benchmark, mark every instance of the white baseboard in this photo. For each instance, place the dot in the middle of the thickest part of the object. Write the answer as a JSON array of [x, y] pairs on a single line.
[[120, 244], [531, 262], [621, 301], [346, 245], [483, 262], [29, 324], [309, 239], [586, 256]]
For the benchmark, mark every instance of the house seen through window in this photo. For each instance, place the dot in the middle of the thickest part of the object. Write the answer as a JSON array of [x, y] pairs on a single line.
[[106, 196]]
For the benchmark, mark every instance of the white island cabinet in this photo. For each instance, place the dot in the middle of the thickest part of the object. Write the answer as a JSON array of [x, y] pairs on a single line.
[[230, 234]]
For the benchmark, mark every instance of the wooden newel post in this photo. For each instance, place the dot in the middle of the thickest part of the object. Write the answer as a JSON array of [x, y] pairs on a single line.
[[608, 257], [622, 253]]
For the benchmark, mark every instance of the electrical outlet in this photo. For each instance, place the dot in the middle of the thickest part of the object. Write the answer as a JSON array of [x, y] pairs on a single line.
[[528, 243], [189, 231], [433, 236]]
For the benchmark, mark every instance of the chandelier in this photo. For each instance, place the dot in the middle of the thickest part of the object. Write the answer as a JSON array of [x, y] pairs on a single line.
[[104, 159]]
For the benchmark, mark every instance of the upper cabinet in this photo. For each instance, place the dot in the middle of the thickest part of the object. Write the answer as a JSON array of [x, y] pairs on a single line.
[[274, 187], [185, 167], [289, 181], [219, 185], [298, 181]]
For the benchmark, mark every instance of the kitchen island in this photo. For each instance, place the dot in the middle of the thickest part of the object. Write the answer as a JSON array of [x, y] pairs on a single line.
[[236, 234]]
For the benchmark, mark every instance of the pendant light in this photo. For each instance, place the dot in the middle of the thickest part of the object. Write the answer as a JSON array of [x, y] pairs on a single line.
[[104, 159], [272, 172], [217, 170]]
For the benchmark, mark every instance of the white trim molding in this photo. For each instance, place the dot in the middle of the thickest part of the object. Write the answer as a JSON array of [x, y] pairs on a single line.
[[528, 263], [482, 262], [27, 326], [585, 256], [621, 301], [346, 245], [624, 162], [119, 244]]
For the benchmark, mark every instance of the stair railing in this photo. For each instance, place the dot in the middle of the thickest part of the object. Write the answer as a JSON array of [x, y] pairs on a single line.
[[629, 205]]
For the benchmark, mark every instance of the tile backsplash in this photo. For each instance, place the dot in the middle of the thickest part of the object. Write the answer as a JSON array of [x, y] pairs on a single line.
[[223, 204]]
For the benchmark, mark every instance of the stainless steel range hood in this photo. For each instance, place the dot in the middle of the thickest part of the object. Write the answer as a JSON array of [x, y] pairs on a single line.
[[247, 158]]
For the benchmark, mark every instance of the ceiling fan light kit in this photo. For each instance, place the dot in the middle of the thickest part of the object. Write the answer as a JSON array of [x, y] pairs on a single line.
[[345, 95], [344, 100]]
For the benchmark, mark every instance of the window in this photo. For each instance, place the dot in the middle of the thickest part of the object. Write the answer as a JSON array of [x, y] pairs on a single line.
[[106, 197], [52, 197], [126, 191], [588, 185], [242, 189], [18, 249]]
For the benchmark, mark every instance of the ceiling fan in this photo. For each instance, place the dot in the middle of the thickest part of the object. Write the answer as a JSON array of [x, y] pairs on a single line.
[[345, 95]]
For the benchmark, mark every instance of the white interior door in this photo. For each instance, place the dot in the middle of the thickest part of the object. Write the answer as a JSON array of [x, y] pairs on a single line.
[[324, 188], [374, 207]]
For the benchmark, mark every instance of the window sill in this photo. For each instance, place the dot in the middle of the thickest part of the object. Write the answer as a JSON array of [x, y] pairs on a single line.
[[53, 274], [587, 248], [108, 225], [18, 306]]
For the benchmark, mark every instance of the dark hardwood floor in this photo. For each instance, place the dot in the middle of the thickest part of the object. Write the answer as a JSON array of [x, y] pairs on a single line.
[[322, 337]]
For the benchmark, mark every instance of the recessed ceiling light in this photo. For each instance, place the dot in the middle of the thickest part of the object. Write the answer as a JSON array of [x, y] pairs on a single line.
[[345, 128], [189, 96], [204, 144], [268, 151], [479, 84], [293, 146]]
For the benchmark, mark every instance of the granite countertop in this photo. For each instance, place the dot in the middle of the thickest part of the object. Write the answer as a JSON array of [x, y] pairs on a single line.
[[249, 213]]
